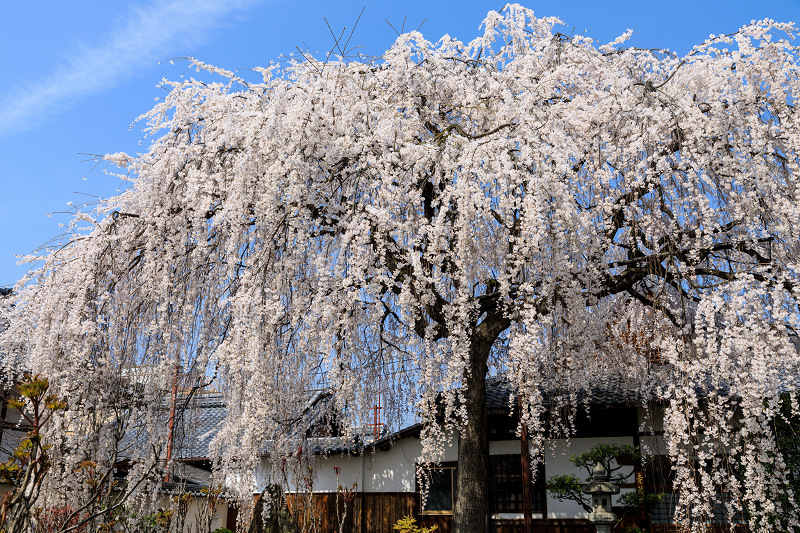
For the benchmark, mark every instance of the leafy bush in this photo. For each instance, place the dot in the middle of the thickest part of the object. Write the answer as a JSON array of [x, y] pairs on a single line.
[[568, 487], [633, 501], [409, 525]]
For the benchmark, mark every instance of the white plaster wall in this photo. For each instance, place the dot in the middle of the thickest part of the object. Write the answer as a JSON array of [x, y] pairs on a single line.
[[557, 453], [392, 470], [220, 518], [323, 478], [349, 473], [515, 516]]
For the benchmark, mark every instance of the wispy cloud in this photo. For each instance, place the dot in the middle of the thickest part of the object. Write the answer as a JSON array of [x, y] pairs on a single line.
[[150, 32]]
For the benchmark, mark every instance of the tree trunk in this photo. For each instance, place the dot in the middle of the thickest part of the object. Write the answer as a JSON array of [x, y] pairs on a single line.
[[471, 511], [472, 507]]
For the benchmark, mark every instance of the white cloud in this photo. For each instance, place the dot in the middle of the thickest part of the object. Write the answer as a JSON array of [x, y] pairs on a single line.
[[148, 34]]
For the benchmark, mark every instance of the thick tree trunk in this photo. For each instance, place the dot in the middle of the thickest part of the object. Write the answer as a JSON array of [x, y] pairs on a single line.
[[472, 506], [471, 511]]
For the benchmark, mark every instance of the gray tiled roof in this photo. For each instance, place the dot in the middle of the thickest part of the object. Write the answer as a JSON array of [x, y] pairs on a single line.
[[616, 390], [608, 389], [198, 425], [199, 419]]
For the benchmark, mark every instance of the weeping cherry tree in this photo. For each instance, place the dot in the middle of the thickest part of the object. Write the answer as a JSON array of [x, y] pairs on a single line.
[[519, 206]]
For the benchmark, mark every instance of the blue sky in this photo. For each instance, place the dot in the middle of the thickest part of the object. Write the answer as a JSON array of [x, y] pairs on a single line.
[[74, 75]]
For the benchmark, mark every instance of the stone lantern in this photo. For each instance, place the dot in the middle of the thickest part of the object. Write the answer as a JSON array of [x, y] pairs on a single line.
[[601, 490]]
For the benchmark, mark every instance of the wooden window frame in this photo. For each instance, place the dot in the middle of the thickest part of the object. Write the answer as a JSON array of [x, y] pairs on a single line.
[[452, 466]]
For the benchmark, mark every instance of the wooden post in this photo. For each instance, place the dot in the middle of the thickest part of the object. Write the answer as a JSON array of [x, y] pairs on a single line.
[[526, 473]]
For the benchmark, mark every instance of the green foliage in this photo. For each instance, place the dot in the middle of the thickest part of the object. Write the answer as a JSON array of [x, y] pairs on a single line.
[[613, 457], [639, 500], [222, 530], [567, 487], [27, 464], [35, 407], [604, 454], [408, 525]]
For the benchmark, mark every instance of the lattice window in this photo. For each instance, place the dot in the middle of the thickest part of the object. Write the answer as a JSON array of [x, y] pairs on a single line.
[[505, 485]]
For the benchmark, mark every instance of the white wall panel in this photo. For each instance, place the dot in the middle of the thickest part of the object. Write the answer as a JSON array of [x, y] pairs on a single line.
[[557, 454]]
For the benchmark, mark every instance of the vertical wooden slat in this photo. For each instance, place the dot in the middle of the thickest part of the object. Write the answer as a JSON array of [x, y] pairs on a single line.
[[387, 512], [369, 526], [360, 528]]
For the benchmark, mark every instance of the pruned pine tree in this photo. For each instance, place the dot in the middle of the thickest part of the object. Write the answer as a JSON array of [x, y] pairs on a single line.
[[524, 205]]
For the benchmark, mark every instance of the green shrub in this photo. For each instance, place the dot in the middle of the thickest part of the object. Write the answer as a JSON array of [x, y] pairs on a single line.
[[409, 525]]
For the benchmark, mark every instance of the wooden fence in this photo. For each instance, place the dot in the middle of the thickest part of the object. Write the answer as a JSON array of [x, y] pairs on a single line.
[[365, 513], [378, 512]]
